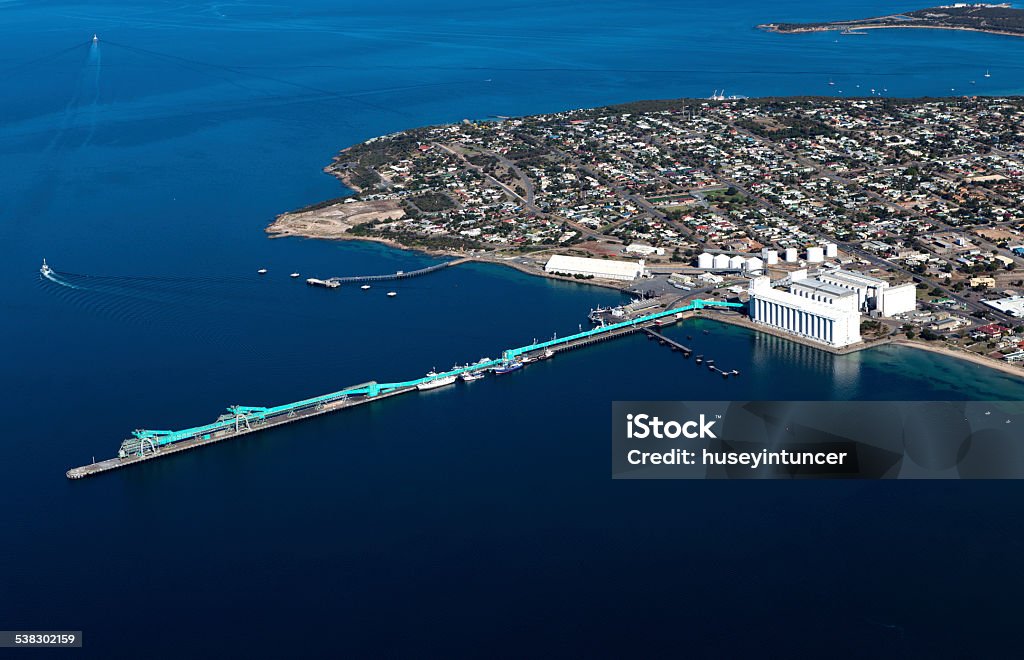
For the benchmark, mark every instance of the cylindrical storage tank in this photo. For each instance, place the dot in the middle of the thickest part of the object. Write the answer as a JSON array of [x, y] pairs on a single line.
[[721, 261], [790, 255], [771, 257], [737, 262], [815, 255], [705, 260], [754, 265], [831, 250]]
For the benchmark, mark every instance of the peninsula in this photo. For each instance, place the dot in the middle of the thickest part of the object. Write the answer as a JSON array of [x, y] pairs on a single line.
[[992, 18], [922, 191]]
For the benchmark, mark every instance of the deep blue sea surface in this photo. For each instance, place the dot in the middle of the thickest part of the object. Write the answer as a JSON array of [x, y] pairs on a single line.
[[478, 519]]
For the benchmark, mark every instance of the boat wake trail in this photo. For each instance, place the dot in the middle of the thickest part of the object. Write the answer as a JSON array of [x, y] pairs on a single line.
[[216, 312], [94, 65], [53, 277], [155, 301], [157, 289]]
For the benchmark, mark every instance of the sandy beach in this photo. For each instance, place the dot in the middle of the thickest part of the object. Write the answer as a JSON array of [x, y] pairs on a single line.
[[1004, 367], [940, 349]]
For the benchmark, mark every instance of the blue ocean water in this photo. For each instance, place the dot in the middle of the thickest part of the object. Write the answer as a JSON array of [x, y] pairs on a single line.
[[479, 519]]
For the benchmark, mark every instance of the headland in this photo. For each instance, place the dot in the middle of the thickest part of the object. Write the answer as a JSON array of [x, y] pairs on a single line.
[[991, 18]]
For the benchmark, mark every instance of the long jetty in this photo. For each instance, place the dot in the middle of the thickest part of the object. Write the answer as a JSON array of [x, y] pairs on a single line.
[[239, 420]]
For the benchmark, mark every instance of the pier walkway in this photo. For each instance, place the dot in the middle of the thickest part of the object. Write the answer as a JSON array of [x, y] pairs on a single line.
[[148, 444], [662, 339], [399, 275]]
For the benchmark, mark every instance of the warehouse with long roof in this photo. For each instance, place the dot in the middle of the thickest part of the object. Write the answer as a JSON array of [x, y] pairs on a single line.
[[605, 269]]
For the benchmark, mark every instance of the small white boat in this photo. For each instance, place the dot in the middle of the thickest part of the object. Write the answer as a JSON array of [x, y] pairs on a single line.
[[45, 269], [95, 38], [294, 274], [262, 271], [435, 381], [365, 287], [987, 74], [392, 294], [469, 376]]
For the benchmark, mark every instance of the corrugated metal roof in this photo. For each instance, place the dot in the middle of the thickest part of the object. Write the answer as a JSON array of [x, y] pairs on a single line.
[[823, 287], [584, 264], [853, 277]]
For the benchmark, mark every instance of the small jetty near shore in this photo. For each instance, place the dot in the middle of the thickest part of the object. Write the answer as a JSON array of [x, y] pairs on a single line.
[[335, 282]]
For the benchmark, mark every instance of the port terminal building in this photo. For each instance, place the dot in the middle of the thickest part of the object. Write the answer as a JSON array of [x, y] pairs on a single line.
[[823, 314], [605, 269]]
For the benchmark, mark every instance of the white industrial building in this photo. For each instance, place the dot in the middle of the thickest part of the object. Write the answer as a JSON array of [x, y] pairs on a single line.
[[740, 262], [606, 269], [898, 299], [829, 324], [831, 250], [771, 257], [874, 294], [645, 250], [865, 286], [829, 294], [815, 255], [1014, 305], [789, 255]]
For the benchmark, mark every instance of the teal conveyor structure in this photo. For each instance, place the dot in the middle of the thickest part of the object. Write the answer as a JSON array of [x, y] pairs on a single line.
[[247, 418]]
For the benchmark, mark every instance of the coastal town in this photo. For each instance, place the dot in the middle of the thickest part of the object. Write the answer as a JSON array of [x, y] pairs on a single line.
[[913, 206]]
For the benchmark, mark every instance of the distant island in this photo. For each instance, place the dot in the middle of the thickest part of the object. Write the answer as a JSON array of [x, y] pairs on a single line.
[[991, 18]]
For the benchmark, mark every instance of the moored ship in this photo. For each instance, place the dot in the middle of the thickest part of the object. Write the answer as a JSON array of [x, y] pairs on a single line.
[[508, 367], [330, 284], [435, 381]]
